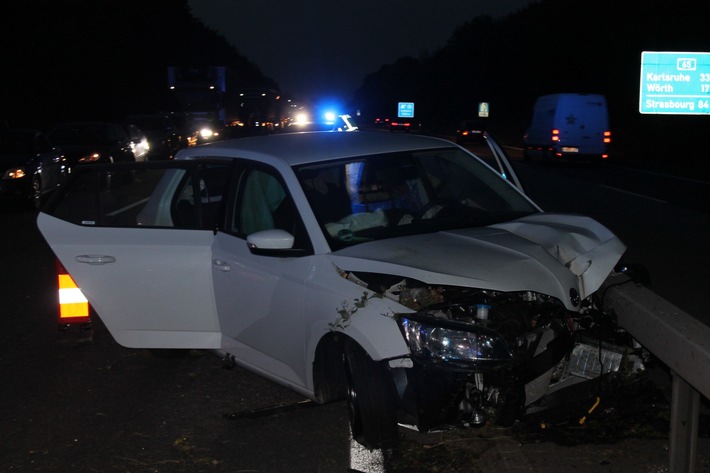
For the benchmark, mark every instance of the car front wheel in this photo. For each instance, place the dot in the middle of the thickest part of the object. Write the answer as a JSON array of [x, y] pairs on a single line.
[[371, 400]]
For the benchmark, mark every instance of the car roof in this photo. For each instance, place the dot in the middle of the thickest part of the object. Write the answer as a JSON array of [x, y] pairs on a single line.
[[312, 147]]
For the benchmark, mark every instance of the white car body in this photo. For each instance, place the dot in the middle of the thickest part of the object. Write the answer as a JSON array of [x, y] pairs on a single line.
[[156, 285]]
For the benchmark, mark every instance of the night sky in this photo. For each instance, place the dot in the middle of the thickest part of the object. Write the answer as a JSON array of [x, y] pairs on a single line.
[[322, 47], [82, 59]]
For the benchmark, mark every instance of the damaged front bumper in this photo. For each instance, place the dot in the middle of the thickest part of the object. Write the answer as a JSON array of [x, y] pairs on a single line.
[[460, 374]]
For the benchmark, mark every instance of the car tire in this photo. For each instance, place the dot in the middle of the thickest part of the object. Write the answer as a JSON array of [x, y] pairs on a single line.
[[370, 399]]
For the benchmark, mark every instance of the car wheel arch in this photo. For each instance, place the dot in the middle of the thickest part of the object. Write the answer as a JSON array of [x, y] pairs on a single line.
[[343, 369], [329, 382], [371, 398]]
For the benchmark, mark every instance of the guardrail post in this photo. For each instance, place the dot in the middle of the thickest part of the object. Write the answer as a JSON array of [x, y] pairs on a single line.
[[685, 412]]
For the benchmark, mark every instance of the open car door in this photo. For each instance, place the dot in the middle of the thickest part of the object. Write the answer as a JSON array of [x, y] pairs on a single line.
[[130, 236]]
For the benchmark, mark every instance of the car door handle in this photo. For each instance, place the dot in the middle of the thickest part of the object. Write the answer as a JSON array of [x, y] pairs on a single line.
[[221, 265], [95, 259]]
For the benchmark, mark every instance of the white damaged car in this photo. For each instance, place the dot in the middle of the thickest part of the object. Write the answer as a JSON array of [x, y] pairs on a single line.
[[400, 272]]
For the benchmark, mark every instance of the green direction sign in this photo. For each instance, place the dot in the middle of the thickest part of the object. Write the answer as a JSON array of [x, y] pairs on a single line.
[[675, 83]]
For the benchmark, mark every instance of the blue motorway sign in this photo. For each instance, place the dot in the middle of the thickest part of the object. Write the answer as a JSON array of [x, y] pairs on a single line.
[[675, 83], [405, 110]]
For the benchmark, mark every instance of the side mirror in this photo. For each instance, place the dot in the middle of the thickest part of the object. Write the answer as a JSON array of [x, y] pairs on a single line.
[[274, 242], [275, 239]]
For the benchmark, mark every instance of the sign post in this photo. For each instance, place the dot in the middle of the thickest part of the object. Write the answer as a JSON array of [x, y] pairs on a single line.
[[675, 83]]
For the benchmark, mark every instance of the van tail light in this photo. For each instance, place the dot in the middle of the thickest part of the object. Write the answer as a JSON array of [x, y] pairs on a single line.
[[607, 140], [73, 306], [555, 135]]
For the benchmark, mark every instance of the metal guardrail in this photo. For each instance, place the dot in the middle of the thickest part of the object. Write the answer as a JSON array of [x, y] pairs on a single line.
[[682, 343]]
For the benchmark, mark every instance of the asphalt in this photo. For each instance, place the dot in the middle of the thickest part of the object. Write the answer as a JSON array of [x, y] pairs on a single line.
[[625, 456]]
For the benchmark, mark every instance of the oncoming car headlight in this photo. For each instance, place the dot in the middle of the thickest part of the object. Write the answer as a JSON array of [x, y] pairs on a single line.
[[453, 342]]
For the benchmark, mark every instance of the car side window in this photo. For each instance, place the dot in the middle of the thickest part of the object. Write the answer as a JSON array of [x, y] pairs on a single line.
[[197, 201], [185, 195], [263, 203]]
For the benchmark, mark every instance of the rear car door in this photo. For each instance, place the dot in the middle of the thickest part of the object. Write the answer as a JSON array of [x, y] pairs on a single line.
[[137, 240]]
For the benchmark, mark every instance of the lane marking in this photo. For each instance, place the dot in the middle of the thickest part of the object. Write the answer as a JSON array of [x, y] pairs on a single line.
[[660, 201]]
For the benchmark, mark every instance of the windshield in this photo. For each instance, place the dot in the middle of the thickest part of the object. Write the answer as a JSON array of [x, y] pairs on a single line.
[[388, 195]]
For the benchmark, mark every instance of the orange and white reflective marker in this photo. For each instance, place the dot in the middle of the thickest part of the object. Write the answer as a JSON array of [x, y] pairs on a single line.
[[73, 306]]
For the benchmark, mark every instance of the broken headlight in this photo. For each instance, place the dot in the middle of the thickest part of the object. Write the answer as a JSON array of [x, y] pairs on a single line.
[[453, 342]]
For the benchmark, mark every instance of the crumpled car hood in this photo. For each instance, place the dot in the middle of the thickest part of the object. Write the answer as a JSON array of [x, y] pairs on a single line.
[[546, 253]]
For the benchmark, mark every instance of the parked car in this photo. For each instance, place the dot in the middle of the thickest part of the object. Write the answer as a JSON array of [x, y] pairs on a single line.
[[471, 131], [31, 167], [93, 142], [398, 271]]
